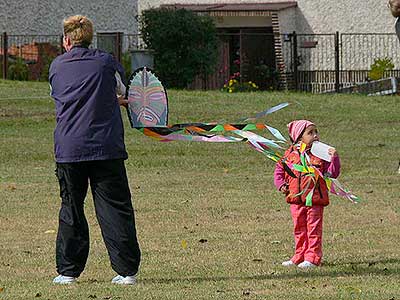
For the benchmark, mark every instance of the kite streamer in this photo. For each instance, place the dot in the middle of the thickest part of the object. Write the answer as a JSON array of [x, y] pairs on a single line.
[[148, 113]]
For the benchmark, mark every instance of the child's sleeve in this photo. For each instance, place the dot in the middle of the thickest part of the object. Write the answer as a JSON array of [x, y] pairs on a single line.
[[279, 176], [333, 169]]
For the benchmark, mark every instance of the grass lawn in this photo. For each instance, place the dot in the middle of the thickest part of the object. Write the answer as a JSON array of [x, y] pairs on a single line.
[[210, 223]]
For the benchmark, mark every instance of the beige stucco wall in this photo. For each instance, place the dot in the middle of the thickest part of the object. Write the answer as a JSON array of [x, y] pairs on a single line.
[[45, 17], [323, 16]]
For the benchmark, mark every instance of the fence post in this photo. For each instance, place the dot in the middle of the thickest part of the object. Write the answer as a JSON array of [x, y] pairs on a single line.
[[5, 54], [61, 44], [240, 56], [337, 63], [119, 46], [295, 62]]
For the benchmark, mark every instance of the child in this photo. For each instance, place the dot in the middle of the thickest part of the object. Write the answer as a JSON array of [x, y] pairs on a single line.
[[307, 220]]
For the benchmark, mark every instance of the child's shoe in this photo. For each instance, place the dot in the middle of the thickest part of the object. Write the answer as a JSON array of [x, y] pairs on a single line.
[[288, 263], [307, 265], [61, 279], [124, 280]]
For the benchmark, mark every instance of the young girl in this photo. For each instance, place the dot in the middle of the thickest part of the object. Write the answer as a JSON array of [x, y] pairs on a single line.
[[307, 220]]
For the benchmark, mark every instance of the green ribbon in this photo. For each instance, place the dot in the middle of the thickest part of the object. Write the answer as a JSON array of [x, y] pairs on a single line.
[[309, 198], [300, 168]]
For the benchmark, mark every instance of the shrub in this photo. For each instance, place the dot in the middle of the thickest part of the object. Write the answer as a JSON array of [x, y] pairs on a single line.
[[267, 76], [126, 63], [18, 70], [379, 67], [184, 44]]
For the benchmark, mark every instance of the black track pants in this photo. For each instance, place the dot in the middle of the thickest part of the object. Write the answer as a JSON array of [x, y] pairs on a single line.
[[112, 200]]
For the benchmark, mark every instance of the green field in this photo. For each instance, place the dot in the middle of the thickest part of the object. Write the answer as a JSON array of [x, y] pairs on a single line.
[[210, 223]]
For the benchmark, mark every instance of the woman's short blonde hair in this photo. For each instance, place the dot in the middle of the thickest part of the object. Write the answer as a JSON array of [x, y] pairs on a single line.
[[79, 29]]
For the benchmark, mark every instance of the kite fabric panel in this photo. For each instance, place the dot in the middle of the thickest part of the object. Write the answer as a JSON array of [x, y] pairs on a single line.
[[147, 100]]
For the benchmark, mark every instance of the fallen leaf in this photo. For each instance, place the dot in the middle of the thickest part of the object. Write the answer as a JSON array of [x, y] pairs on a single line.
[[353, 290], [50, 231], [1, 289], [184, 244], [246, 292], [11, 187]]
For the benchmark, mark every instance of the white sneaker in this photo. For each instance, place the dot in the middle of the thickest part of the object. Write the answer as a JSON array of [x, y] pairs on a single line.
[[124, 280], [61, 279], [288, 263], [307, 265]]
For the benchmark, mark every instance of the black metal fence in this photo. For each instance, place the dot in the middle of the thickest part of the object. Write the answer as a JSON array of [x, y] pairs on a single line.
[[28, 57], [327, 62], [305, 62]]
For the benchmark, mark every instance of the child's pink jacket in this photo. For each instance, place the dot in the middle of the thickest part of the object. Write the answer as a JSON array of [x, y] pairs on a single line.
[[331, 168]]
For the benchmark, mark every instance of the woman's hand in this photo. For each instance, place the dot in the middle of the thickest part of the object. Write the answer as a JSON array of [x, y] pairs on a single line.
[[122, 101]]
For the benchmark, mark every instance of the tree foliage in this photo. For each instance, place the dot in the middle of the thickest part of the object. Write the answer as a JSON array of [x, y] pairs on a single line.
[[184, 44]]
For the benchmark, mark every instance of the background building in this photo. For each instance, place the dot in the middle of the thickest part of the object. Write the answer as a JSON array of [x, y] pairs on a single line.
[[333, 39], [310, 16]]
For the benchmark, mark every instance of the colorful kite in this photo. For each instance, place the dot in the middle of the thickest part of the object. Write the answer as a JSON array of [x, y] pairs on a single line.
[[148, 113], [148, 102]]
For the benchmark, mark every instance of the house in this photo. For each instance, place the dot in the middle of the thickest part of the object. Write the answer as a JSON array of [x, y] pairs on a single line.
[[303, 16], [257, 37]]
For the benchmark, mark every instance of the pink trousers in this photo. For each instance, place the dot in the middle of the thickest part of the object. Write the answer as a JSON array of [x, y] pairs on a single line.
[[307, 223]]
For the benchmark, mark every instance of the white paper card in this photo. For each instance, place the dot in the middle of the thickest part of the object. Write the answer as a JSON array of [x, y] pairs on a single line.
[[321, 150]]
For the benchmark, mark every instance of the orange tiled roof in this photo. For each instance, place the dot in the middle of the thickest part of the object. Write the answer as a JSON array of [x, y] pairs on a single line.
[[266, 6]]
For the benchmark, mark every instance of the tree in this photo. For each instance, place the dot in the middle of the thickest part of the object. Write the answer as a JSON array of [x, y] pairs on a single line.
[[184, 44]]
